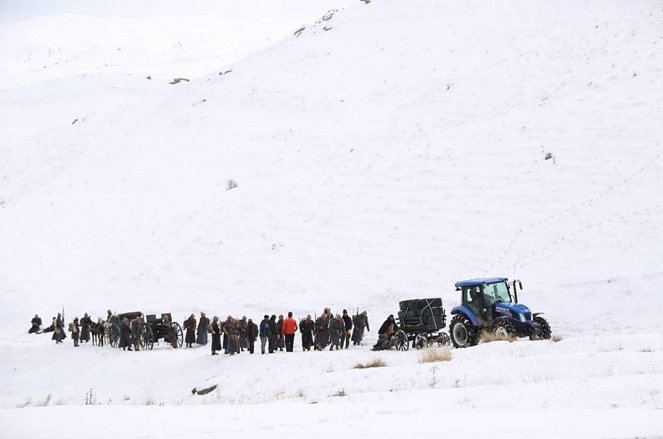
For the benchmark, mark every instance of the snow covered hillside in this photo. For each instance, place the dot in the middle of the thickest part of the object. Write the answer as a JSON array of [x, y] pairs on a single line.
[[257, 157]]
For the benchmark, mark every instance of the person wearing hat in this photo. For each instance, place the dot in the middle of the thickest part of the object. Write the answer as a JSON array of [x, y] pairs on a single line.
[[345, 336]]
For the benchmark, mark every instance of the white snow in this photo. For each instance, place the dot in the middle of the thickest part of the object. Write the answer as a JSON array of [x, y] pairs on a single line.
[[385, 152]]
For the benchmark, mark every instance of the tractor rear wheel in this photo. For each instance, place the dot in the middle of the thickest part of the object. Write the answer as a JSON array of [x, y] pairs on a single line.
[[463, 332], [541, 329]]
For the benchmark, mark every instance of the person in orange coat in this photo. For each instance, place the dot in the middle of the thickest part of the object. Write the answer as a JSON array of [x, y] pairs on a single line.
[[289, 329]]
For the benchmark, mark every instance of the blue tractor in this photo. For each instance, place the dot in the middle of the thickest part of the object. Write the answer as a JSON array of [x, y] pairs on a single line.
[[491, 304]]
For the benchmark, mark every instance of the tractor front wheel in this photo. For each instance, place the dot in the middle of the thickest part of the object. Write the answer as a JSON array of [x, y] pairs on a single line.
[[504, 330], [541, 329], [463, 332]]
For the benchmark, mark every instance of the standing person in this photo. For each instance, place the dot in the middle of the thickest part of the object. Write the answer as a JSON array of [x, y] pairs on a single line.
[[360, 322], [203, 323], [306, 327], [251, 335], [321, 332], [264, 333], [273, 334], [86, 323], [336, 327], [58, 329], [345, 336], [243, 336], [279, 329], [216, 336], [230, 328], [171, 333], [288, 330], [190, 326], [75, 331], [135, 331], [36, 325], [125, 334]]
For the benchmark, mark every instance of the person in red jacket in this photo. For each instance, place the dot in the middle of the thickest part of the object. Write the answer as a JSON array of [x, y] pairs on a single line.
[[289, 329]]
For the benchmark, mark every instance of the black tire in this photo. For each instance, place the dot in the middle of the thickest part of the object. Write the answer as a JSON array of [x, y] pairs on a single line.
[[541, 329], [400, 341], [114, 335], [463, 333], [420, 342], [503, 329]]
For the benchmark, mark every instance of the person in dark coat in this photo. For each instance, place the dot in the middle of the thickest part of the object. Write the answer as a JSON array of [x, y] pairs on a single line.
[[273, 334], [190, 326], [385, 332], [321, 332], [251, 334], [231, 330], [306, 327], [264, 333], [336, 327], [216, 336], [135, 331], [86, 323], [100, 330], [345, 336], [360, 323], [243, 326], [58, 329], [203, 323], [36, 325], [75, 330], [280, 343], [125, 334]]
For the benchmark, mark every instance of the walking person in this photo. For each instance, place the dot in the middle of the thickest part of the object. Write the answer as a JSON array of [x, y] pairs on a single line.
[[243, 336], [347, 322], [201, 336], [251, 335], [101, 332], [306, 327], [135, 331], [58, 329], [125, 335], [336, 327], [216, 336], [264, 333], [289, 329], [75, 331], [190, 326], [360, 322], [321, 332], [279, 329], [231, 329], [273, 334]]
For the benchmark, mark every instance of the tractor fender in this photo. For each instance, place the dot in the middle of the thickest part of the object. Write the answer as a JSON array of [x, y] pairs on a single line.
[[462, 309], [536, 314]]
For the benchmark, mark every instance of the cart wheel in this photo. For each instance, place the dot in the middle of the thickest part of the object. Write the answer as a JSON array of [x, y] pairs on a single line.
[[179, 334], [443, 339], [401, 343], [420, 341]]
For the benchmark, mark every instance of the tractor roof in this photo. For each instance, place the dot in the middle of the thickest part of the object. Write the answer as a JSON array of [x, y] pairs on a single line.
[[479, 281]]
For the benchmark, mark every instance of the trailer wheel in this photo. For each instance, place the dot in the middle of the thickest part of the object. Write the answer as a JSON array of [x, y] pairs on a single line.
[[443, 339], [401, 342], [420, 341]]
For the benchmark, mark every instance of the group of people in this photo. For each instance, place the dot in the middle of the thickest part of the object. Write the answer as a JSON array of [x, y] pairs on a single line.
[[231, 335]]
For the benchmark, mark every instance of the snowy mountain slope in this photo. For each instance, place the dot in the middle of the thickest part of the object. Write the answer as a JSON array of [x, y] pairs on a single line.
[[385, 152]]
